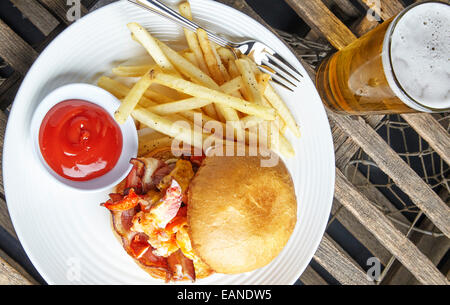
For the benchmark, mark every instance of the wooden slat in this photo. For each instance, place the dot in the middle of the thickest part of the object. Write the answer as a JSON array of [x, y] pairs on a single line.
[[14, 50], [37, 14], [434, 248], [10, 276], [386, 8], [60, 8], [355, 228], [5, 220], [3, 121], [322, 20], [8, 88], [432, 132], [377, 223], [346, 6], [311, 277], [404, 176], [339, 264], [364, 25]]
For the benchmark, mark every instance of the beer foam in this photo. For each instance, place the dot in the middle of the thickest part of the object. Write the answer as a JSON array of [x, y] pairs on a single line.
[[420, 54]]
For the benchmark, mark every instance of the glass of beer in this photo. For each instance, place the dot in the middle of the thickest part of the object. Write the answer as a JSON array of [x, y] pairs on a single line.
[[401, 66]]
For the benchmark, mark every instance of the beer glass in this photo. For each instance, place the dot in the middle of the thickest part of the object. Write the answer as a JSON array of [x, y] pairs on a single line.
[[401, 66]]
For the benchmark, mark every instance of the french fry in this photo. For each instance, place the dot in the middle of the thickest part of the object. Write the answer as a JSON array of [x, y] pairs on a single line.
[[220, 75], [225, 54], [149, 134], [282, 145], [263, 80], [178, 106], [250, 83], [191, 37], [157, 97], [148, 145], [149, 43], [277, 103], [251, 120], [234, 72], [222, 68], [119, 90], [132, 99], [171, 94], [231, 86], [252, 64], [132, 71], [185, 67], [210, 94], [210, 57], [168, 127], [190, 71], [191, 58]]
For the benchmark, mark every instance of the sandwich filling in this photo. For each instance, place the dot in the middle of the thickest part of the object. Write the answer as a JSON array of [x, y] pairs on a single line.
[[149, 213]]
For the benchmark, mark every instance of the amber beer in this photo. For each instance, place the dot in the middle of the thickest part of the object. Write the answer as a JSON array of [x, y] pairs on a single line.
[[401, 66]]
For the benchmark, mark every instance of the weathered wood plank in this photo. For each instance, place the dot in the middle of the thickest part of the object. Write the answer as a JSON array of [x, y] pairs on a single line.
[[339, 264], [60, 8], [3, 121], [403, 175], [346, 6], [13, 265], [358, 231], [321, 19], [397, 243], [8, 88], [311, 277], [5, 220], [10, 276], [14, 50], [37, 14], [363, 25], [434, 248], [386, 8]]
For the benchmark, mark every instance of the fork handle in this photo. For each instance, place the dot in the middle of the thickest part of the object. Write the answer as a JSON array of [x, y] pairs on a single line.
[[165, 11]]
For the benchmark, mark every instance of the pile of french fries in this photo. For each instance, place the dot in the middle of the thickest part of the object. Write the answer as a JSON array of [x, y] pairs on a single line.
[[191, 94]]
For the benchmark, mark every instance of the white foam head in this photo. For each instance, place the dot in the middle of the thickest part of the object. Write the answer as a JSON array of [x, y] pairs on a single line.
[[420, 56]]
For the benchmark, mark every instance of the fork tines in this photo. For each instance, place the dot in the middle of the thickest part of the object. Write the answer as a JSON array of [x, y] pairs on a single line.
[[281, 71]]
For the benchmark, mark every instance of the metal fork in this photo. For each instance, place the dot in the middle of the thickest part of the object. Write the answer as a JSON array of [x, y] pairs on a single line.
[[267, 59]]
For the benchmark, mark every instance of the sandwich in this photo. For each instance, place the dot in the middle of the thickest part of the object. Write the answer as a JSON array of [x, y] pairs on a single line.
[[183, 217]]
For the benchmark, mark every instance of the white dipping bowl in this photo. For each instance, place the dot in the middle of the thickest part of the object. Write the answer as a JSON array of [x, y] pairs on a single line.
[[110, 104]]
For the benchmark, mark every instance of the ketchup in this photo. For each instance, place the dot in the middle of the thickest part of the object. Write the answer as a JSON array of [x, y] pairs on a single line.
[[79, 140]]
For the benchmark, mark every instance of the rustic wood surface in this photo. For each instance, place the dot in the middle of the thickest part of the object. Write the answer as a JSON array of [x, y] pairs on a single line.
[[354, 208]]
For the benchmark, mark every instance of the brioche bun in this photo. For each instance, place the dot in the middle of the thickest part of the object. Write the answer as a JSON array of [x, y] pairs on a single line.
[[240, 215]]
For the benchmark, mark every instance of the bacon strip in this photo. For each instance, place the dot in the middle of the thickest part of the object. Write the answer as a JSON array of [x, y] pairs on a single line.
[[146, 174], [177, 260], [141, 175]]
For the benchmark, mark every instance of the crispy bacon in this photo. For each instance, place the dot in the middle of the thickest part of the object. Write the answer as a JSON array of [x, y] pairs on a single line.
[[139, 245], [181, 266], [128, 202], [162, 172], [141, 175], [166, 209], [133, 242]]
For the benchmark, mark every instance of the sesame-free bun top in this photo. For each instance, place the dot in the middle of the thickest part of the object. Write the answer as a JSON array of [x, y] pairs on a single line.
[[240, 215]]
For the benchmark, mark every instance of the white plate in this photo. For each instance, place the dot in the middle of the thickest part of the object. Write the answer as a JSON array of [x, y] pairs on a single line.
[[66, 234]]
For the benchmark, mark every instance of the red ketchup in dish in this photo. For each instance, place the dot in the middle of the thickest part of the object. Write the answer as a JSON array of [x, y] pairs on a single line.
[[79, 140]]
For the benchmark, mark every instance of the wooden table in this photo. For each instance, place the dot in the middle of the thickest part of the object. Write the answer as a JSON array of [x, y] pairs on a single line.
[[410, 250]]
